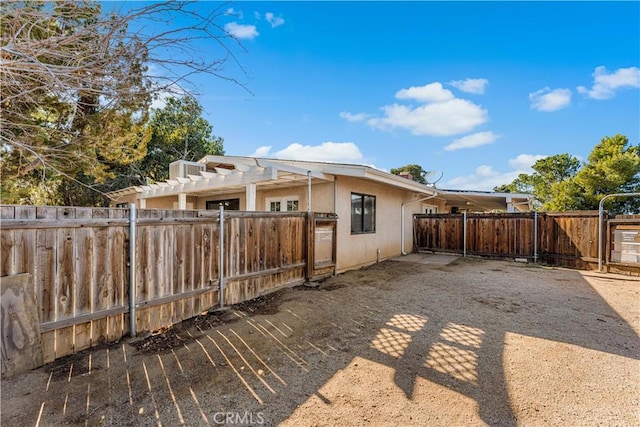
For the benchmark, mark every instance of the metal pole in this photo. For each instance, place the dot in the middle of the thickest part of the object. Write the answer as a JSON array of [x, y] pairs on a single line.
[[600, 206], [535, 237], [600, 210], [221, 255], [464, 234], [132, 269], [309, 191]]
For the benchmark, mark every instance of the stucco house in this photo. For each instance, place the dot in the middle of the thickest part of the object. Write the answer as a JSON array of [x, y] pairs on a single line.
[[374, 208]]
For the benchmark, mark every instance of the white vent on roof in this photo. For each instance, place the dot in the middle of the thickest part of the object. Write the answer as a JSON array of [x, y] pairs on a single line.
[[183, 168]]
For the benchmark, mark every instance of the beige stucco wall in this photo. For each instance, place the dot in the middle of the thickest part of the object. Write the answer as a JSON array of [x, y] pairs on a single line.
[[202, 200], [321, 197], [356, 250]]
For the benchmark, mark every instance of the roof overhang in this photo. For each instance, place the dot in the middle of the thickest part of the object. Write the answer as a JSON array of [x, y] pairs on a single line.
[[232, 174], [478, 201]]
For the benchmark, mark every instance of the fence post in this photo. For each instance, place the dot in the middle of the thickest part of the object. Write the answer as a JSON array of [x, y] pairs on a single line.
[[464, 234], [221, 255], [132, 269], [535, 237]]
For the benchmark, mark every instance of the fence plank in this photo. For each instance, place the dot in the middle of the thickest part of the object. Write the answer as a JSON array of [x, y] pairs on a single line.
[[100, 293], [7, 246], [65, 289], [566, 239], [84, 260], [79, 261], [118, 254]]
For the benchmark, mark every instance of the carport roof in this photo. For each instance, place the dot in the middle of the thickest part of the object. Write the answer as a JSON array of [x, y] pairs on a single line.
[[485, 201]]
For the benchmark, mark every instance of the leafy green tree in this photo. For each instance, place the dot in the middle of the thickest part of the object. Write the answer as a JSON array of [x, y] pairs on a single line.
[[562, 183], [178, 132], [547, 180], [522, 184], [613, 167], [416, 171]]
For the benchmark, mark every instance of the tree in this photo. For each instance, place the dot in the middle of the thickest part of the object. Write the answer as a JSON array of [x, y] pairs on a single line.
[[546, 181], [77, 84], [613, 167], [178, 132], [416, 171], [562, 183]]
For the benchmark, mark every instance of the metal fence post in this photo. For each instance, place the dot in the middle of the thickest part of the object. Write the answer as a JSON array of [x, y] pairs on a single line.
[[535, 237], [132, 269], [464, 234], [221, 255]]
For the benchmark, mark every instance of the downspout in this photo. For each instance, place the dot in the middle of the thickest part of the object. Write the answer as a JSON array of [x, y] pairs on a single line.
[[402, 219]]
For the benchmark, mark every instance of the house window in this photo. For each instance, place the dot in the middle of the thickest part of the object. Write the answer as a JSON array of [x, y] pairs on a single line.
[[282, 204], [430, 209], [363, 213], [229, 204], [275, 206]]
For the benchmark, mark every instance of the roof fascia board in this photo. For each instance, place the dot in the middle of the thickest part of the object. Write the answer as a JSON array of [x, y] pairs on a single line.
[[404, 183]]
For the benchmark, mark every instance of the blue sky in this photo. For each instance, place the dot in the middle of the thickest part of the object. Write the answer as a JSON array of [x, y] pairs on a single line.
[[477, 91]]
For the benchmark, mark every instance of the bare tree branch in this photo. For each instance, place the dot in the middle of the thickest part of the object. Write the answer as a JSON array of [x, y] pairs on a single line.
[[77, 82]]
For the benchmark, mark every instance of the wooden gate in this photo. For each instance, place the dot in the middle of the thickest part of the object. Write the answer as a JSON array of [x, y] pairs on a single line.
[[321, 245]]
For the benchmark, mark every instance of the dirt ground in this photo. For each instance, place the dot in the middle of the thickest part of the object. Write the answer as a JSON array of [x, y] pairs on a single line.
[[472, 342]]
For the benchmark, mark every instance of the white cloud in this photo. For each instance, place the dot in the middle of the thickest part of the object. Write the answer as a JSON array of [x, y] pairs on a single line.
[[433, 92], [358, 117], [485, 177], [262, 151], [335, 152], [451, 117], [475, 86], [241, 31], [550, 100], [523, 162], [232, 12], [605, 84], [470, 141], [441, 113], [275, 21]]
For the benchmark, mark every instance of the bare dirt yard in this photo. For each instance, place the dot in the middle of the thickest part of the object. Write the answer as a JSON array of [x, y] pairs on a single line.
[[423, 342]]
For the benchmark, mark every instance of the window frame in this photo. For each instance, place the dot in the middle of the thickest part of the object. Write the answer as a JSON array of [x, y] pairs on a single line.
[[427, 208], [229, 204], [364, 228], [284, 203]]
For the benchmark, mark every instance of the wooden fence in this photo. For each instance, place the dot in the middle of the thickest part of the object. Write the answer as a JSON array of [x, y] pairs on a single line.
[[80, 264], [567, 239]]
